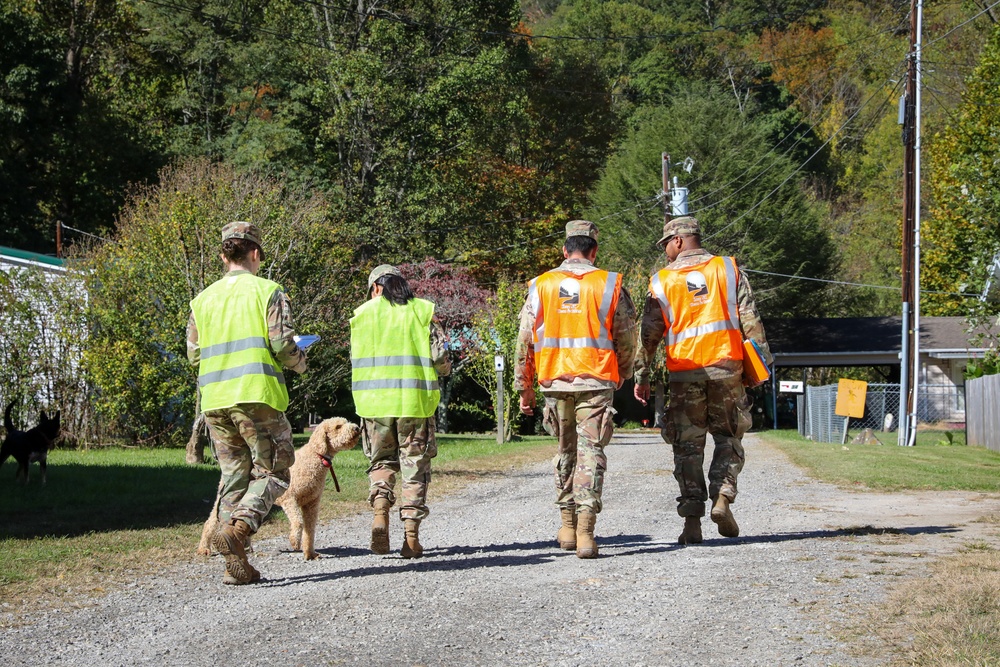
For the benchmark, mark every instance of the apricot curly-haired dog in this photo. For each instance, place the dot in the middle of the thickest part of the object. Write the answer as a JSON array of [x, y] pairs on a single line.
[[301, 500], [305, 487]]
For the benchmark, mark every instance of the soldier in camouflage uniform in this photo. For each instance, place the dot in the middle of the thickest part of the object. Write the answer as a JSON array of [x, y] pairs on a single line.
[[704, 397], [578, 374], [243, 392], [398, 410]]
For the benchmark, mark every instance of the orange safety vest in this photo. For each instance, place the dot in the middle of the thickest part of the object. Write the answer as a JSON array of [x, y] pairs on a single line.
[[700, 309], [572, 332]]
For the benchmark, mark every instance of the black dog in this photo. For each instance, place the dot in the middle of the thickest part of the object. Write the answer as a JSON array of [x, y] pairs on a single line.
[[29, 446]]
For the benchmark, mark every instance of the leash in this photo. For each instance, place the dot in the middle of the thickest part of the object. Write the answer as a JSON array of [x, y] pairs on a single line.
[[327, 462]]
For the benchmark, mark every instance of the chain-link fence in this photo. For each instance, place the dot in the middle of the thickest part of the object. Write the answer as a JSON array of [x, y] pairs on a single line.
[[818, 421]]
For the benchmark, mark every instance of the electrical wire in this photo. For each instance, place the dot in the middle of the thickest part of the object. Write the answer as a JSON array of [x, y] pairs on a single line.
[[850, 284], [801, 166], [960, 25], [80, 231], [410, 21]]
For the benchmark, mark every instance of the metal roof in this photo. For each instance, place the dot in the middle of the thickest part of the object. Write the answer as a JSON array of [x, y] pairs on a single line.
[[866, 341], [25, 258]]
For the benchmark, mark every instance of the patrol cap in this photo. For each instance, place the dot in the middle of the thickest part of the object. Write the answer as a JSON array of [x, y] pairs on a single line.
[[242, 230], [581, 228], [679, 227], [382, 270]]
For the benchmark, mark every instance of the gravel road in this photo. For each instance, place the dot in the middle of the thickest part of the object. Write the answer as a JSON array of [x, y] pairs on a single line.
[[493, 589]]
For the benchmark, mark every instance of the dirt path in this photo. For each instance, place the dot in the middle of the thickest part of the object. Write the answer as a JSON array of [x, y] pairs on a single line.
[[494, 590]]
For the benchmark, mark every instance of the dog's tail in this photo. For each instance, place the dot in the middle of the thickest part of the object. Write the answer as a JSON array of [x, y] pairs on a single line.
[[7, 423]]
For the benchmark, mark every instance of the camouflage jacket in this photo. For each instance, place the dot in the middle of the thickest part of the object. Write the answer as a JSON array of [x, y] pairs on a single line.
[[439, 349], [622, 333], [653, 328], [280, 332]]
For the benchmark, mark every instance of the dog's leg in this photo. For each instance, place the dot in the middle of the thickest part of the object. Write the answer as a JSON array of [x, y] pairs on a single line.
[[310, 513], [205, 544], [41, 464], [294, 514]]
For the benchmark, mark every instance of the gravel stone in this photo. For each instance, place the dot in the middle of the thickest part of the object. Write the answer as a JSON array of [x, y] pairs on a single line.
[[494, 588]]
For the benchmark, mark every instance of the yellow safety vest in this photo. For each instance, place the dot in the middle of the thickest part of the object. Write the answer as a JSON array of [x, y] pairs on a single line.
[[237, 365], [392, 372]]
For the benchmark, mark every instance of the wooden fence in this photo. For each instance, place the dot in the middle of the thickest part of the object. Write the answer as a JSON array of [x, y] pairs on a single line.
[[982, 412]]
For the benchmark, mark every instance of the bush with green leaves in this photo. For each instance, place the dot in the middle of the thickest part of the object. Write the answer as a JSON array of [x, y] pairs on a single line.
[[166, 251]]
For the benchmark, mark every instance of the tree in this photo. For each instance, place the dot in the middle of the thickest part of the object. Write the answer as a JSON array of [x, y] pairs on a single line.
[[496, 333], [459, 302], [962, 232], [165, 252], [745, 193]]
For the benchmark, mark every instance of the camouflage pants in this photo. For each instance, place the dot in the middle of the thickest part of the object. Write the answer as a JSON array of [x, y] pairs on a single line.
[[253, 444], [718, 407], [403, 445], [582, 422]]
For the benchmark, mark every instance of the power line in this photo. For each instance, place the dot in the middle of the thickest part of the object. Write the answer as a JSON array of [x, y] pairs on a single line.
[[80, 231], [410, 21], [850, 284], [801, 166], [961, 25]]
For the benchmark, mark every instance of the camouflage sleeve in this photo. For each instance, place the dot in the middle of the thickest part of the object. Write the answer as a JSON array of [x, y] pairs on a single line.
[[439, 349], [194, 350], [280, 332], [651, 331], [750, 321], [624, 335], [524, 352]]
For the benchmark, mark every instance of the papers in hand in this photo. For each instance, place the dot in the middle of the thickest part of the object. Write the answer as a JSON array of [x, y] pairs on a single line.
[[306, 340]]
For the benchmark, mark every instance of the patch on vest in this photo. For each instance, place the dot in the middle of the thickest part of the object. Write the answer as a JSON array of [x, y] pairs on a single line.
[[697, 287], [697, 284], [569, 296]]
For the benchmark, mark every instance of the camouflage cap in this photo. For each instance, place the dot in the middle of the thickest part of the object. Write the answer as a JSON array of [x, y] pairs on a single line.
[[581, 228], [242, 230], [679, 227], [382, 270]]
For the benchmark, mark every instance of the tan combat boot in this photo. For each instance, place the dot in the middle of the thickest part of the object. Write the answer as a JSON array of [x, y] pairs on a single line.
[[228, 540], [724, 519], [692, 531], [567, 533], [586, 547], [230, 580], [411, 547], [380, 526]]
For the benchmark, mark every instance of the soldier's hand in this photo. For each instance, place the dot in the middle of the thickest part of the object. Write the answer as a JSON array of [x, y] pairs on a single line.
[[527, 403], [641, 393]]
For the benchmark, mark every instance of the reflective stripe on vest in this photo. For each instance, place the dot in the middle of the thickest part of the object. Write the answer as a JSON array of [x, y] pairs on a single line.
[[573, 318], [392, 372], [701, 329], [237, 365]]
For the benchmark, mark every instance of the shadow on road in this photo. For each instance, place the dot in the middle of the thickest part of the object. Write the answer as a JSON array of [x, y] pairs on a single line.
[[776, 538], [453, 559], [516, 554]]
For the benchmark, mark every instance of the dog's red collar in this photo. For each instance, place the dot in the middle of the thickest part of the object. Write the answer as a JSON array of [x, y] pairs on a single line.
[[327, 462]]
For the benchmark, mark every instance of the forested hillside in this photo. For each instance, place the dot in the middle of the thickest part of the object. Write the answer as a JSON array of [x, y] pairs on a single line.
[[470, 131]]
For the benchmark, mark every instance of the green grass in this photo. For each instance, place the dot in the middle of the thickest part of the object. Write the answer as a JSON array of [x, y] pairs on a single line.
[[108, 512], [888, 467]]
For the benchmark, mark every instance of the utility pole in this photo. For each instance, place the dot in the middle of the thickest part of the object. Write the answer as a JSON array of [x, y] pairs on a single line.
[[59, 238], [910, 269], [659, 399]]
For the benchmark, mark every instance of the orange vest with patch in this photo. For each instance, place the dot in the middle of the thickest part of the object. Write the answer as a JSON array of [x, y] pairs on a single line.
[[573, 317], [699, 307]]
